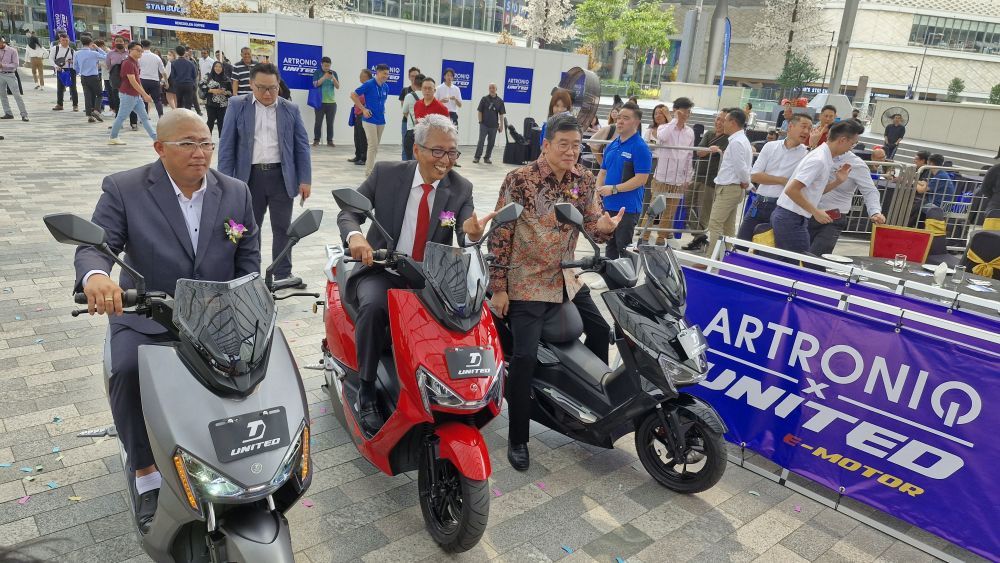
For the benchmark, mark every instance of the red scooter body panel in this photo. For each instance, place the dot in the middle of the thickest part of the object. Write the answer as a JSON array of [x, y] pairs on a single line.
[[339, 328], [465, 448]]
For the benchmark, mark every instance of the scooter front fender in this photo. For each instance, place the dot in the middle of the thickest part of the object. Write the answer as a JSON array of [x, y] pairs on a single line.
[[257, 535], [465, 448], [696, 407]]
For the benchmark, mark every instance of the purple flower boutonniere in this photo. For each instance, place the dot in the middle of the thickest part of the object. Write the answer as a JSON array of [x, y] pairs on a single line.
[[447, 218], [575, 192], [234, 230]]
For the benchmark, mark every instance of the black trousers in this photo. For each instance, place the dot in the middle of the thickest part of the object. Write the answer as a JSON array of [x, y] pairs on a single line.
[[113, 100], [408, 140], [360, 140], [185, 95], [623, 235], [267, 192], [152, 87], [123, 391], [373, 318], [454, 117], [61, 89], [215, 116], [488, 134], [91, 93], [526, 318], [328, 112], [751, 219]]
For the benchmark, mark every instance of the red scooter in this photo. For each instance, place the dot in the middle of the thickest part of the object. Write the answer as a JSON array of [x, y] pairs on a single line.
[[441, 381]]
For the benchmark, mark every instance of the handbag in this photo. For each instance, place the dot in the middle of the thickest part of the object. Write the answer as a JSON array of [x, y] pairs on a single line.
[[66, 78], [315, 99]]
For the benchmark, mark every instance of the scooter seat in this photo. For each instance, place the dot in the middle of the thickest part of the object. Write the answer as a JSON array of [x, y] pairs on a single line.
[[579, 360], [565, 325]]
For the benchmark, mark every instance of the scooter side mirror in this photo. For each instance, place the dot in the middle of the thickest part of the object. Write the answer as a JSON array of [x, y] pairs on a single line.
[[352, 199], [70, 229], [659, 205], [568, 214], [305, 224], [508, 213]]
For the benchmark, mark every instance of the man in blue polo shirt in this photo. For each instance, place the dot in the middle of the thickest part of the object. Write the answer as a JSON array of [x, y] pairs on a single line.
[[372, 109], [626, 167]]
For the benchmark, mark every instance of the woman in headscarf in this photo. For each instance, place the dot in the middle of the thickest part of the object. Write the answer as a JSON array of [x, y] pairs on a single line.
[[216, 95]]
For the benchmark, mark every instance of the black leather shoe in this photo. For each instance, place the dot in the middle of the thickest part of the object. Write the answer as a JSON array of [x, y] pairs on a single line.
[[698, 243], [517, 455], [488, 161], [370, 419], [360, 162], [145, 509]]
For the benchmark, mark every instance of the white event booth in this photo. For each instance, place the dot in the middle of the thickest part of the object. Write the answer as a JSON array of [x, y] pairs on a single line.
[[524, 77]]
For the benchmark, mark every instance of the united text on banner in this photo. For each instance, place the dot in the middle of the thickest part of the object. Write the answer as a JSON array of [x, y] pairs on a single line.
[[517, 85], [902, 420], [298, 62]]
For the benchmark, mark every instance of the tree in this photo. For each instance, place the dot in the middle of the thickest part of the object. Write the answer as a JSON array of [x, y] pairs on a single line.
[[593, 63], [204, 10], [339, 10], [995, 95], [599, 21], [646, 27], [548, 21], [792, 25], [798, 72], [955, 89]]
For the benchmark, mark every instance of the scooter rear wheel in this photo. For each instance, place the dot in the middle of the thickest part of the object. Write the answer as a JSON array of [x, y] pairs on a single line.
[[455, 509], [700, 469]]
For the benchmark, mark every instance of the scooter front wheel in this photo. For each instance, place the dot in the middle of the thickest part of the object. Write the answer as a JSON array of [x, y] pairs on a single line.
[[455, 508], [702, 466]]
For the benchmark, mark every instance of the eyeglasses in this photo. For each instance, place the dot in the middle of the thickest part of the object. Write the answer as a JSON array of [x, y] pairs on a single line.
[[438, 153], [567, 147], [266, 89], [189, 146]]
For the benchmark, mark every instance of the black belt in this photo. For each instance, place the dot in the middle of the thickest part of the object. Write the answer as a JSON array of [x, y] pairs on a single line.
[[765, 199], [267, 166]]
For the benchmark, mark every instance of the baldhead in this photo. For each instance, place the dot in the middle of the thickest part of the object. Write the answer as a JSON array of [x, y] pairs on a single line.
[[185, 146]]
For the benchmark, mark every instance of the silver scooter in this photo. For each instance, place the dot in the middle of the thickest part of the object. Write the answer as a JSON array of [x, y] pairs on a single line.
[[225, 410]]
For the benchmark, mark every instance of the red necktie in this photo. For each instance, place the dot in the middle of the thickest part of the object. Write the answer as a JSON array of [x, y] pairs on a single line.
[[423, 224]]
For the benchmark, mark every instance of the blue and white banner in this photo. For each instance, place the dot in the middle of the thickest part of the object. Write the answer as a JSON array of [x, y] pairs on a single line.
[[726, 38], [175, 23], [517, 85], [60, 16], [463, 75], [891, 416], [297, 63], [395, 63]]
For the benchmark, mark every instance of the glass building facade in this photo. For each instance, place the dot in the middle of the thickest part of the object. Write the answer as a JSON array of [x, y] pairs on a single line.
[[491, 16], [956, 35]]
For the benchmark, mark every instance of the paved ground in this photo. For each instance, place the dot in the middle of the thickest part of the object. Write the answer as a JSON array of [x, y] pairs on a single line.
[[598, 504]]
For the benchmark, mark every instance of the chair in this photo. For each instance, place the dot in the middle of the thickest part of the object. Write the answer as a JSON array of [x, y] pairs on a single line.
[[763, 234], [992, 220], [934, 223], [890, 240], [983, 255]]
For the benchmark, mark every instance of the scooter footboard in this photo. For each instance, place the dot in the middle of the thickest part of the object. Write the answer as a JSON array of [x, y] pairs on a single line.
[[258, 535], [465, 448]]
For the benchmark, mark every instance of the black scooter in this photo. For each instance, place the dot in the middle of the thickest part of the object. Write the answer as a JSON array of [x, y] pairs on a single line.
[[678, 436]]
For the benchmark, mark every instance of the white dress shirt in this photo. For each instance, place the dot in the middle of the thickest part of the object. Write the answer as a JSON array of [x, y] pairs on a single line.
[[151, 66], [776, 159], [814, 172], [859, 179], [404, 242], [190, 209], [265, 133], [737, 160], [673, 166], [205, 65], [444, 92]]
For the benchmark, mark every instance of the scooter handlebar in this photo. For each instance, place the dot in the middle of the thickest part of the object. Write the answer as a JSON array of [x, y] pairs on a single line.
[[130, 298], [585, 263]]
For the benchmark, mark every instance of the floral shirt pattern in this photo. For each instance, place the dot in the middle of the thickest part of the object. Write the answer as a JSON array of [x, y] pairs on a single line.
[[533, 246]]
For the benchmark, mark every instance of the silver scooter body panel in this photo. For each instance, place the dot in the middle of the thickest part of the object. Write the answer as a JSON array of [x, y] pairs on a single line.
[[178, 410]]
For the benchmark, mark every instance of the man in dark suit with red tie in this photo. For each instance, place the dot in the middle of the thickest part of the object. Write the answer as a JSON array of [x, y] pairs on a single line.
[[417, 202]]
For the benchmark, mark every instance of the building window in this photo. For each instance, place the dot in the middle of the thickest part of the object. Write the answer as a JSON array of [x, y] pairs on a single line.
[[955, 34]]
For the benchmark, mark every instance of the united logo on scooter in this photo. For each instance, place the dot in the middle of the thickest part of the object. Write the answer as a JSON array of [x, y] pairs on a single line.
[[470, 362]]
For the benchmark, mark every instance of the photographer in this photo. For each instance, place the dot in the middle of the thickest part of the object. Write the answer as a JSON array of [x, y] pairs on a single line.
[[328, 82]]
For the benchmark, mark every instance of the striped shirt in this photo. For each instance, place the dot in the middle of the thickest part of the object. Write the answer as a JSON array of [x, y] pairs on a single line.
[[241, 72]]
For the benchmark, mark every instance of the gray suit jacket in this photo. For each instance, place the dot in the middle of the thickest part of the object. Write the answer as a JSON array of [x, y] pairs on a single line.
[[388, 188], [142, 218]]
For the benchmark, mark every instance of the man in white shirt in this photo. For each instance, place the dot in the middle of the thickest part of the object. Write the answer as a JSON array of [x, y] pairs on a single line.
[[673, 167], [807, 185], [450, 95], [774, 165], [61, 57], [205, 63], [151, 74], [732, 180], [837, 204]]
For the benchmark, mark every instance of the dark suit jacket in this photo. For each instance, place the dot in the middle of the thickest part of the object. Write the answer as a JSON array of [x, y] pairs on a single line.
[[388, 188], [142, 217], [237, 139]]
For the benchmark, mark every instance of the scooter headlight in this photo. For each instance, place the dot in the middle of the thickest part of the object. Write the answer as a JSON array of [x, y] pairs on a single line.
[[297, 459], [434, 391], [204, 481]]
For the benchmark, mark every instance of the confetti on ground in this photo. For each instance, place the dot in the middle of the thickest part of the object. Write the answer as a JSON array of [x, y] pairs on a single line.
[[29, 478], [39, 309], [57, 419], [540, 485], [60, 458], [567, 549], [52, 485], [39, 468], [798, 508], [39, 340], [76, 499], [5, 465], [307, 503], [55, 449], [27, 469], [619, 560], [18, 317], [23, 500], [755, 493], [8, 289], [497, 493], [323, 410]]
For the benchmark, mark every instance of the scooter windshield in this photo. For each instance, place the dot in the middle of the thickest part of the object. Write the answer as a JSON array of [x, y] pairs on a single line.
[[458, 277], [664, 273], [230, 323]]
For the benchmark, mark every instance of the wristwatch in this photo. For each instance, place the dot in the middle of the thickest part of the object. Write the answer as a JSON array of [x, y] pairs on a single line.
[[614, 189]]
